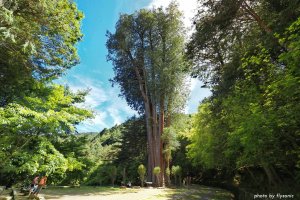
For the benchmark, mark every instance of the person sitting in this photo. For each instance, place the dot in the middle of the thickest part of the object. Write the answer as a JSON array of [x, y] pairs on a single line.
[[41, 184], [129, 184], [34, 185]]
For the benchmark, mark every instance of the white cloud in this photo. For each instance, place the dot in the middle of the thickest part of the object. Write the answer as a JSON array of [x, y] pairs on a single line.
[[187, 7], [95, 124], [196, 96], [118, 107], [96, 95], [109, 108], [194, 83]]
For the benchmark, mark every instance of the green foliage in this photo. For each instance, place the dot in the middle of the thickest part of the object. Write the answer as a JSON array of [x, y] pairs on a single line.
[[227, 29], [176, 171], [170, 141], [142, 173], [206, 148], [112, 173], [149, 64], [37, 44], [156, 170], [77, 147], [41, 34], [152, 41], [122, 146], [25, 156], [148, 32], [250, 118], [168, 172], [132, 149], [47, 110]]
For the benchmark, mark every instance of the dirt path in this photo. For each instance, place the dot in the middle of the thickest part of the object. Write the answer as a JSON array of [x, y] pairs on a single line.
[[140, 194], [196, 192]]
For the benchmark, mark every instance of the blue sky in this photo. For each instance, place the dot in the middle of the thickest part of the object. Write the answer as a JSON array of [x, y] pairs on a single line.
[[94, 71]]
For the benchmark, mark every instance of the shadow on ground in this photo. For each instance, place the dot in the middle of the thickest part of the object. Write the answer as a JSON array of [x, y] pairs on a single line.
[[60, 192], [196, 193]]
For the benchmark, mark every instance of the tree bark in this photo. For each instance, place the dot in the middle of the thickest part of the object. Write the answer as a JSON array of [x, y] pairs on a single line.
[[161, 129], [150, 143], [168, 180], [255, 16], [270, 176], [150, 123]]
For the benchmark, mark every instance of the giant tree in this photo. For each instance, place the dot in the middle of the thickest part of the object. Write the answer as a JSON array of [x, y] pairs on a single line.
[[147, 54]]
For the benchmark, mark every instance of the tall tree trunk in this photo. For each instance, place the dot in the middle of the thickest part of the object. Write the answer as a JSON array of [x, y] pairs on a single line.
[[252, 176], [271, 179], [155, 140], [161, 129], [124, 176], [149, 121], [168, 124], [150, 142], [168, 180], [256, 17]]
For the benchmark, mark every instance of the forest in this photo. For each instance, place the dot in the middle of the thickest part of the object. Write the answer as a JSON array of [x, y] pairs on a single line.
[[244, 137]]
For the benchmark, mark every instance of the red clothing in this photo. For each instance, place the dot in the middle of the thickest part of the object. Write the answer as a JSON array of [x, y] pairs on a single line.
[[43, 181]]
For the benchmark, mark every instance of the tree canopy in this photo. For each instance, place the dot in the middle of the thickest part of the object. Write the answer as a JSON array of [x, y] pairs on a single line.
[[248, 59], [37, 44]]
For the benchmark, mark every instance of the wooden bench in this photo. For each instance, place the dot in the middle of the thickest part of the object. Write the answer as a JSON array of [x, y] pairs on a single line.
[[148, 184]]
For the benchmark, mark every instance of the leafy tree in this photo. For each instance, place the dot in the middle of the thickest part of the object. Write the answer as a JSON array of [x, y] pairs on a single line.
[[207, 140], [37, 44], [177, 172], [132, 148], [248, 121], [226, 29], [112, 173], [170, 144], [122, 145], [35, 156], [40, 35], [156, 172], [46, 110], [142, 173], [76, 146]]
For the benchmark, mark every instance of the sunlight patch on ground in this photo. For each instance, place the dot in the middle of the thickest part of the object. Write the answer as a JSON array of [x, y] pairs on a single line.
[[108, 193]]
